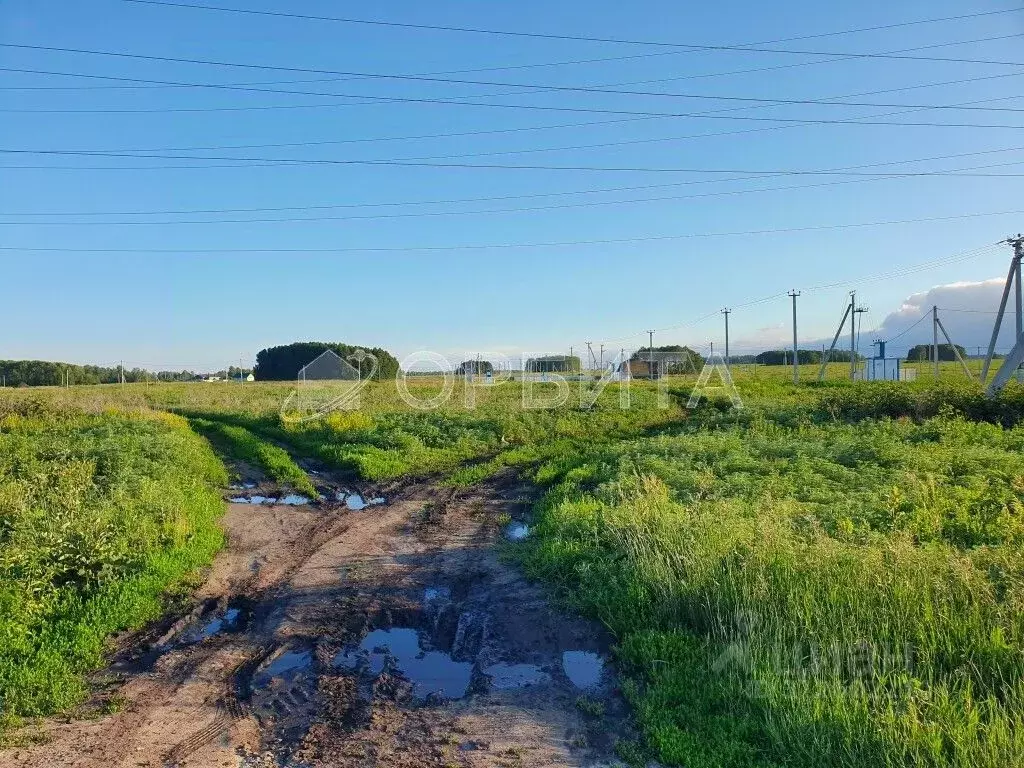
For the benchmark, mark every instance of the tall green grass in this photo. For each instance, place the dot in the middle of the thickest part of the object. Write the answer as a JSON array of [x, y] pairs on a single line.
[[100, 515], [795, 590], [239, 443]]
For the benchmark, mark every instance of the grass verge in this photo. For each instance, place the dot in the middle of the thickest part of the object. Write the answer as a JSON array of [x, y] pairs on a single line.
[[100, 516]]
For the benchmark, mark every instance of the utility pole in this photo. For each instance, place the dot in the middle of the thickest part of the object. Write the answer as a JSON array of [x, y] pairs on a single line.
[[796, 364], [1012, 277], [1018, 252], [935, 338], [590, 354], [726, 312], [122, 373], [601, 366], [650, 354], [855, 321]]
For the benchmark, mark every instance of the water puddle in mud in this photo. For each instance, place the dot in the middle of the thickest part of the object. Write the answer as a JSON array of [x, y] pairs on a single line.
[[218, 624], [242, 486], [208, 625], [583, 668], [517, 531], [436, 594], [509, 677], [291, 500], [356, 502], [401, 651], [286, 667]]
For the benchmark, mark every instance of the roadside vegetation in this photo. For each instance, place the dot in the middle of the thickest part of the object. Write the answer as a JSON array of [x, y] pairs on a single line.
[[239, 443], [102, 514], [790, 588], [830, 576]]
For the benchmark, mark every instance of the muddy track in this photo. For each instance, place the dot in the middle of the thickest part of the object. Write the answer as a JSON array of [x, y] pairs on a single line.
[[390, 636]]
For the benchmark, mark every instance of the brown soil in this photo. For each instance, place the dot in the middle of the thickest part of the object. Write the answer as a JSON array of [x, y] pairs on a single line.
[[286, 683]]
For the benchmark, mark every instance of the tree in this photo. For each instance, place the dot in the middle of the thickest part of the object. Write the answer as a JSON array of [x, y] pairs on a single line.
[[924, 352], [475, 367], [283, 363], [785, 357]]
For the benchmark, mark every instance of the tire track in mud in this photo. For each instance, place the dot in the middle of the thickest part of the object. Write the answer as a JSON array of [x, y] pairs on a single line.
[[231, 707]]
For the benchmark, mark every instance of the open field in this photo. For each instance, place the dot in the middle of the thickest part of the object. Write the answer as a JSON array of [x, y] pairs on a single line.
[[830, 576]]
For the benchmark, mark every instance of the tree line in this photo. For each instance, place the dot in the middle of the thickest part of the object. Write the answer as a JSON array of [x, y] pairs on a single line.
[[283, 363], [46, 373]]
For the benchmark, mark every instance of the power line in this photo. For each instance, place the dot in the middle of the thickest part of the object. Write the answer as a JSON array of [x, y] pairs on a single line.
[[578, 38], [431, 214], [900, 272], [538, 87], [542, 87], [498, 166], [908, 330], [699, 76], [463, 134], [510, 246], [501, 198]]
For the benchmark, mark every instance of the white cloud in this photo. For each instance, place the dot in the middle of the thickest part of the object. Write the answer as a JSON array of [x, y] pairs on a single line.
[[966, 309]]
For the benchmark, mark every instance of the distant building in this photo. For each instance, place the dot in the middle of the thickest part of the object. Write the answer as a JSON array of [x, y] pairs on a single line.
[[646, 364], [553, 364]]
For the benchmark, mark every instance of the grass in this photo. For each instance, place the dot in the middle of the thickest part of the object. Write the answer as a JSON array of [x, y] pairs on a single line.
[[240, 443], [100, 515], [790, 588], [830, 576]]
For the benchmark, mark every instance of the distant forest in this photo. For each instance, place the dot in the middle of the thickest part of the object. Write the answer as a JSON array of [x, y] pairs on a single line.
[[44, 373], [284, 363]]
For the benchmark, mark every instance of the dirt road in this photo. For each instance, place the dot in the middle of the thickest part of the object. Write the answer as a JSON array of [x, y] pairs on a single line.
[[348, 633]]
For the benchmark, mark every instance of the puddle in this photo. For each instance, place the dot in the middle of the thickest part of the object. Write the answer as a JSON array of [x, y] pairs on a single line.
[[254, 500], [517, 531], [436, 594], [218, 624], [400, 651], [356, 502], [583, 668], [241, 486], [509, 677], [288, 666], [291, 500]]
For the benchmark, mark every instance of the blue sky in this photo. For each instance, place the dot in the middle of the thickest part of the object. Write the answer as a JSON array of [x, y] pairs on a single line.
[[207, 307]]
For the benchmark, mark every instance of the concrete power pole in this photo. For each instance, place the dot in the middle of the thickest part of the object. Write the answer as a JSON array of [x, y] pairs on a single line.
[[1013, 359], [650, 354], [726, 313], [796, 355], [935, 338]]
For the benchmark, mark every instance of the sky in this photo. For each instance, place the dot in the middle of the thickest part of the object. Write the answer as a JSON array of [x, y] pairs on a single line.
[[468, 192]]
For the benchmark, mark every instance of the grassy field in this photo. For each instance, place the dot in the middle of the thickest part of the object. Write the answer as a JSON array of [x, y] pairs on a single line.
[[830, 576], [101, 513]]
